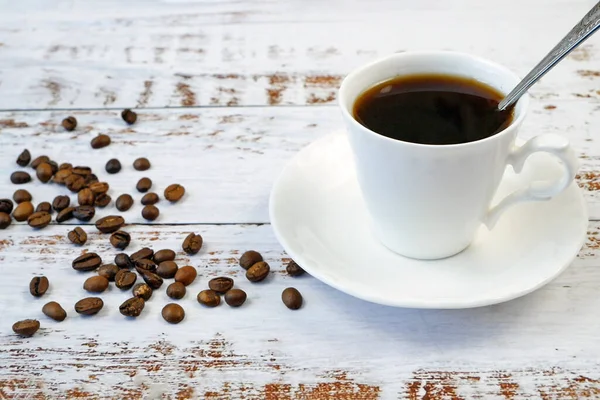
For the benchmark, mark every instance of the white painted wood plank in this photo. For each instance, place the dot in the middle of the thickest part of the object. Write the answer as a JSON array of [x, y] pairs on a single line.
[[109, 53], [541, 346]]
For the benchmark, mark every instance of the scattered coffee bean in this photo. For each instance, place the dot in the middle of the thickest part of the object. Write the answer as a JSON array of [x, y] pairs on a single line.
[[174, 192], [87, 262], [176, 290], [150, 198], [142, 290], [24, 158], [84, 213], [38, 286], [53, 166], [55, 311], [5, 220], [141, 164], [120, 239], [86, 197], [23, 211], [89, 306], [145, 252], [164, 255], [192, 243], [96, 284], [186, 275], [258, 272], [109, 271], [221, 285], [124, 202], [167, 269], [110, 223], [44, 206], [20, 177], [6, 206], [235, 297], [291, 298], [132, 307], [90, 180], [294, 269], [65, 214], [99, 187], [61, 176], [65, 165], [123, 261], [100, 141], [102, 200], [44, 172], [77, 236], [21, 195], [74, 183], [69, 123], [250, 258], [150, 212], [39, 220], [129, 116], [38, 160], [82, 170], [209, 298], [113, 166], [145, 264], [153, 280], [125, 279], [143, 185], [173, 313], [27, 327]]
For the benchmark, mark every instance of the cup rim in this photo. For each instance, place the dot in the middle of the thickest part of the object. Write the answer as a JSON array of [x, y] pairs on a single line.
[[523, 102]]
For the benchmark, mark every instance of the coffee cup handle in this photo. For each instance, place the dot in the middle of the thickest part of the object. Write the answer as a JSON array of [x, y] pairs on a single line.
[[540, 190]]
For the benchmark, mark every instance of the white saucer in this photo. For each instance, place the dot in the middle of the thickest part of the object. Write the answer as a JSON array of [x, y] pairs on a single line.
[[319, 217]]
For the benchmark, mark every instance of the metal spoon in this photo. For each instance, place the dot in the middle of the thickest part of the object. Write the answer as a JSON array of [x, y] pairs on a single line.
[[580, 32]]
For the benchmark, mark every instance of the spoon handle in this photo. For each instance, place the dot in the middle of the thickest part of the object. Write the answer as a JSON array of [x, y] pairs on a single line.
[[580, 32]]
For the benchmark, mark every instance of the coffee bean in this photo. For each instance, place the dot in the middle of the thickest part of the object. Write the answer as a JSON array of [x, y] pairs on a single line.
[[38, 160], [24, 158], [129, 116], [55, 311], [146, 253], [86, 197], [150, 212], [39, 220], [44, 206], [186, 275], [53, 166], [89, 306], [174, 192], [23, 211], [21, 195], [145, 264], [84, 213], [141, 164], [221, 284], [5, 220], [65, 214], [209, 298], [176, 290], [250, 258], [65, 165], [124, 202], [291, 298], [125, 279], [38, 286], [77, 236], [110, 223], [27, 327], [44, 172], [82, 170], [96, 284], [113, 166], [61, 176], [294, 269], [235, 297], [69, 123], [142, 290], [144, 185], [258, 272], [108, 271], [132, 307], [6, 206], [100, 141], [87, 262], [102, 200], [20, 177], [120, 239], [167, 269], [164, 255], [74, 183], [192, 243], [99, 187], [123, 261], [90, 180], [150, 198], [173, 313], [153, 280]]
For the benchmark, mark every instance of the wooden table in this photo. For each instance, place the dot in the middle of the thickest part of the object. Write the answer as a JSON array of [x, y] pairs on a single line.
[[227, 92]]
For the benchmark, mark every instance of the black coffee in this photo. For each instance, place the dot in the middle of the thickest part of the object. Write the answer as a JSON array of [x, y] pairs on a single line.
[[432, 109]]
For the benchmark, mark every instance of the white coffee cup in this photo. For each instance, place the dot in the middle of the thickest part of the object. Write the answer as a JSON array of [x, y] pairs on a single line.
[[427, 201]]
